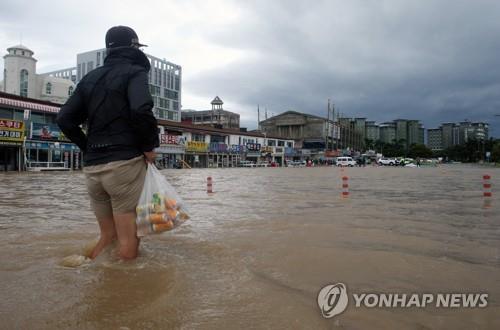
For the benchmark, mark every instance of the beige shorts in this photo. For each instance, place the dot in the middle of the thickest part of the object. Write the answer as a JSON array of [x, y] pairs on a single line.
[[115, 187]]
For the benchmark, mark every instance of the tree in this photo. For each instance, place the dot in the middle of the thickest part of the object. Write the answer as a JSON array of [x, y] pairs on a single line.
[[419, 151], [495, 152]]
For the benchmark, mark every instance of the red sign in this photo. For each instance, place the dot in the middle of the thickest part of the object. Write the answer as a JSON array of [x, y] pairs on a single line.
[[4, 123], [171, 139]]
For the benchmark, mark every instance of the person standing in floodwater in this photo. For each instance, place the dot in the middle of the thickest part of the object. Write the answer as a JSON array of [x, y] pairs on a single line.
[[115, 102]]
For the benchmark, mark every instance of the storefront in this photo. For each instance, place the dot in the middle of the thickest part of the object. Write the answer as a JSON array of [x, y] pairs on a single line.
[[11, 142], [48, 148], [196, 154], [253, 152], [171, 150], [222, 155]]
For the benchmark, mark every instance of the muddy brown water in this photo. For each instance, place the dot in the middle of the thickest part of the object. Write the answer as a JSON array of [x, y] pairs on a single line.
[[256, 253]]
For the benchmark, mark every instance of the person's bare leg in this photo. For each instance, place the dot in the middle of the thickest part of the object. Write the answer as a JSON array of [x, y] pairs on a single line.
[[108, 235], [126, 230]]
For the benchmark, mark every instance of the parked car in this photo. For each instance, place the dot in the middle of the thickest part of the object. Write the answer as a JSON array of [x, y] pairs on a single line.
[[387, 161], [296, 163], [345, 161]]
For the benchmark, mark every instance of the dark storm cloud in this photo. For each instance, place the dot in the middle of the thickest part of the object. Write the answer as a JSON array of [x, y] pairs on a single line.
[[437, 61]]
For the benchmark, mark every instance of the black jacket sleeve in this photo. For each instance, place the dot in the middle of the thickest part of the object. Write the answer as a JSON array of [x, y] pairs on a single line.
[[71, 116], [141, 104]]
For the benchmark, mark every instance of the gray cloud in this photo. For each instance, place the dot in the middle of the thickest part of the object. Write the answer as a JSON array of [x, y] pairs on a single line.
[[431, 60], [437, 60]]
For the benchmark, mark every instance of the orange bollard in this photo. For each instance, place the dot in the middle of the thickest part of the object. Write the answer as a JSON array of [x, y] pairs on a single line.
[[487, 194], [345, 187], [209, 185]]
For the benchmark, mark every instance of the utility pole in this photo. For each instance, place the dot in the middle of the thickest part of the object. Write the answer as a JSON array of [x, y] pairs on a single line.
[[258, 118], [327, 128]]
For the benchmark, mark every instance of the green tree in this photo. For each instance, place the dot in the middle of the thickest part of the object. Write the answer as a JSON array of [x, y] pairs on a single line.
[[419, 151], [495, 152]]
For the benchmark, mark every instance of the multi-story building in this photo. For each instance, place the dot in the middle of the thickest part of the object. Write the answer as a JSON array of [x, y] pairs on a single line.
[[451, 134], [20, 78], [30, 138], [312, 134], [435, 138], [217, 117], [388, 132], [165, 81], [372, 131]]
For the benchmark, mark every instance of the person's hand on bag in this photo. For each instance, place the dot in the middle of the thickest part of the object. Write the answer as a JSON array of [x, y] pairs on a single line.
[[150, 156]]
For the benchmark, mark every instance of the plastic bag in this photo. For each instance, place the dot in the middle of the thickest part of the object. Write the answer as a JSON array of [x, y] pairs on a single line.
[[160, 208]]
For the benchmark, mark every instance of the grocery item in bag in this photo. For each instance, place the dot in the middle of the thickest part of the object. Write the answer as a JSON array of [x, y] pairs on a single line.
[[160, 208]]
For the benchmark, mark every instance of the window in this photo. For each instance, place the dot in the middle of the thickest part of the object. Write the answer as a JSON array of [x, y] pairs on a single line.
[[23, 85], [176, 105], [281, 143], [6, 113], [271, 143], [70, 90], [90, 66], [98, 62], [48, 88], [198, 137], [177, 83]]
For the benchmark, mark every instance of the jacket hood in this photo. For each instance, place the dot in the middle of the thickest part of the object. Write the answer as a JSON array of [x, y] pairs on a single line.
[[127, 55]]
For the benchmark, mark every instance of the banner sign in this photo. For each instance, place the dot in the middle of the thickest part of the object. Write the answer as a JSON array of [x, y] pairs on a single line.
[[218, 147], [197, 146], [253, 146], [236, 149], [47, 132], [172, 139], [11, 132]]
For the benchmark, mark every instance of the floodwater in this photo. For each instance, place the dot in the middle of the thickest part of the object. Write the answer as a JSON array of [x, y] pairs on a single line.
[[256, 252]]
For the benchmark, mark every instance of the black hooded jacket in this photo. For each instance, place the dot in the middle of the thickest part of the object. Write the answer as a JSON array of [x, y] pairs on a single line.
[[115, 103]]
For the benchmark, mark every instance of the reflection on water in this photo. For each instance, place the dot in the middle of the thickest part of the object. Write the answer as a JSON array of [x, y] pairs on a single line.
[[257, 251]]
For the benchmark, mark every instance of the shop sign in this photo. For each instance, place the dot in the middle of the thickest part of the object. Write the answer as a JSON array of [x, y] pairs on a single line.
[[267, 149], [11, 132], [47, 132], [172, 139], [253, 146], [237, 148], [197, 146], [218, 147]]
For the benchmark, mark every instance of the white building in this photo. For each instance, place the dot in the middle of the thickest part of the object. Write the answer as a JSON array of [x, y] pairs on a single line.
[[20, 78], [165, 81]]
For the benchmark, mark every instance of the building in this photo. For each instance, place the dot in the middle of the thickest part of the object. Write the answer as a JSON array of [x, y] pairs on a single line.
[[372, 131], [20, 78], [312, 134], [451, 134], [217, 117], [69, 74], [165, 81], [205, 146], [388, 132], [435, 139], [30, 138]]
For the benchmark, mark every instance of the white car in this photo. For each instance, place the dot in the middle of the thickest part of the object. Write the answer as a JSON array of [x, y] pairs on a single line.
[[387, 161], [346, 161]]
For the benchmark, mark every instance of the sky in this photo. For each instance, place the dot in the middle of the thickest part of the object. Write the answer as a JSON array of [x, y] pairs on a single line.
[[432, 60]]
